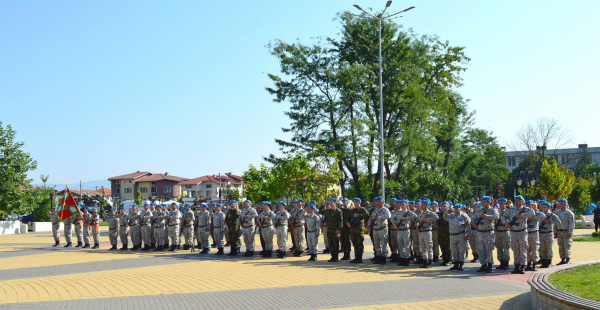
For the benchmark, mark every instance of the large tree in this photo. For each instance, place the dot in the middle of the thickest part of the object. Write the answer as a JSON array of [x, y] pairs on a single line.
[[16, 192]]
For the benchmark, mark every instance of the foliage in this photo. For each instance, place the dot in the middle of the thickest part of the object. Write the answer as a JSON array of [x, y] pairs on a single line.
[[15, 188], [103, 198], [580, 195], [587, 239], [555, 181], [232, 193], [332, 91], [580, 281], [596, 234], [44, 205], [139, 199]]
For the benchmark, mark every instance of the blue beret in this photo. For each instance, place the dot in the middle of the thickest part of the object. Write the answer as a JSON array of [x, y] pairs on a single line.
[[457, 206], [476, 204], [418, 200], [312, 201], [563, 200], [345, 199], [327, 203], [444, 203], [248, 200], [357, 199], [204, 205], [502, 199], [233, 201], [546, 204], [411, 202], [153, 204], [519, 197], [54, 207], [528, 202], [164, 205], [218, 205], [146, 204], [486, 198], [300, 200], [377, 198], [393, 199], [94, 209], [333, 199], [186, 204], [311, 207], [174, 203], [282, 203], [113, 210], [434, 202], [262, 203], [121, 208]]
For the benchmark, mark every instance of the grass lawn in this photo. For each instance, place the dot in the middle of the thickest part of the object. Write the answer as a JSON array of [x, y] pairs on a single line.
[[586, 239], [105, 223], [582, 281]]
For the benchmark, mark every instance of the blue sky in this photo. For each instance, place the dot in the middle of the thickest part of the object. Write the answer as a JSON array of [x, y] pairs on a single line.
[[179, 86]]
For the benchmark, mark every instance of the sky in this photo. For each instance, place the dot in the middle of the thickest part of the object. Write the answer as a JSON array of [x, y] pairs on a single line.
[[102, 88]]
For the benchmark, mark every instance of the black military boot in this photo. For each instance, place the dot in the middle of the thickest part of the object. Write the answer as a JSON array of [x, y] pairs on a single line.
[[346, 256], [158, 248], [549, 263], [153, 246], [483, 268], [178, 246], [326, 251], [96, 245], [436, 258], [466, 254], [226, 244], [357, 258], [186, 247], [204, 251], [79, 244], [124, 247], [56, 243], [269, 253], [516, 270], [501, 265], [334, 258], [213, 245], [395, 258], [506, 267], [298, 253], [146, 248], [528, 268], [382, 260], [233, 251], [489, 268], [219, 252], [445, 262], [521, 269], [313, 257], [406, 262], [429, 263], [460, 266], [283, 254], [475, 258], [567, 260], [424, 264], [114, 247], [68, 245], [533, 267], [249, 254], [419, 260], [86, 246], [562, 262], [455, 267]]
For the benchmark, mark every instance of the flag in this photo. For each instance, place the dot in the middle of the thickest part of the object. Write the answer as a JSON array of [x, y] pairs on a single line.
[[68, 208]]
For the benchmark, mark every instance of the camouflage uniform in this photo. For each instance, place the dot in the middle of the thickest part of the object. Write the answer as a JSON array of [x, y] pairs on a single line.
[[159, 228], [123, 219], [425, 236], [281, 225], [403, 233], [267, 230], [67, 230], [485, 234], [203, 221], [248, 227], [77, 221], [357, 230], [96, 229], [174, 226], [292, 213], [533, 237], [473, 237], [134, 221], [188, 228], [87, 221], [435, 239], [55, 226], [380, 231], [231, 220], [113, 229], [298, 230], [334, 226], [502, 239], [345, 245], [218, 220], [518, 232], [562, 229], [443, 237], [414, 235], [393, 234], [313, 225], [547, 237], [146, 228], [459, 229], [324, 224]]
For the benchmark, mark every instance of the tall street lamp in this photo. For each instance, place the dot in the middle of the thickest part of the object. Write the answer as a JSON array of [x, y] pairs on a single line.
[[529, 179], [379, 19]]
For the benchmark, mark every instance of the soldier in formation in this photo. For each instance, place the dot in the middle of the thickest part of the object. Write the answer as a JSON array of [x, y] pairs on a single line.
[[265, 221], [502, 235], [459, 230], [313, 227], [55, 225], [188, 220], [247, 223], [281, 224], [203, 222], [113, 228]]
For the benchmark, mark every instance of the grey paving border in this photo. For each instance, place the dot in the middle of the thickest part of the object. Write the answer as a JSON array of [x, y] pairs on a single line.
[[300, 297]]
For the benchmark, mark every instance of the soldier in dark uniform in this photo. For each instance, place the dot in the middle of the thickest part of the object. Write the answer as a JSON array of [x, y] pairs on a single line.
[[231, 220], [356, 224], [335, 220], [345, 245]]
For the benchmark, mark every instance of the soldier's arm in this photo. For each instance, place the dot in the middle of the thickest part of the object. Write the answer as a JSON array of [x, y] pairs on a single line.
[[434, 217], [554, 219], [539, 216], [493, 217], [571, 223]]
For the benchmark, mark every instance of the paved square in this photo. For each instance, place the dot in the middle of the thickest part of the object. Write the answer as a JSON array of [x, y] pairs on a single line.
[[34, 275]]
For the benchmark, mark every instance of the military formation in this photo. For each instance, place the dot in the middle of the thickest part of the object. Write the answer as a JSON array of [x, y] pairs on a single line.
[[422, 231]]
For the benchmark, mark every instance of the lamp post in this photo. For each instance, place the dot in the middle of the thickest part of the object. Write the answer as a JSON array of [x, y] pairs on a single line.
[[529, 179], [379, 19]]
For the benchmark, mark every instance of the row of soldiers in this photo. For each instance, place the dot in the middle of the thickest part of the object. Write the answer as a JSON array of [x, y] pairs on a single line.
[[86, 224], [413, 230]]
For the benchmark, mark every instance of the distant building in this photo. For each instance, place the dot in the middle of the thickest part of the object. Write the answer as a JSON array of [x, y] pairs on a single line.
[[565, 157], [160, 186], [207, 187]]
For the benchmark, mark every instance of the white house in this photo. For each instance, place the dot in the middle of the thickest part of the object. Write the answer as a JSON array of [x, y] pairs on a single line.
[[209, 186]]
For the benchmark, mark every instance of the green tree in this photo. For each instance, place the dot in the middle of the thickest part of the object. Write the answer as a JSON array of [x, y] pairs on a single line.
[[581, 194], [232, 193], [45, 204], [139, 199], [15, 187], [555, 181]]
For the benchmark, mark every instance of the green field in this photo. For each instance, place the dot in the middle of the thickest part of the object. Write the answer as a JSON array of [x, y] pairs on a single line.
[[582, 281]]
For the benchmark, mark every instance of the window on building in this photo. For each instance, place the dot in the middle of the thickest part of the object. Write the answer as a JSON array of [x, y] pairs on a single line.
[[118, 190], [118, 182], [193, 193], [208, 185], [167, 189], [143, 190], [153, 189], [188, 186], [153, 183], [208, 194], [512, 161], [127, 190]]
